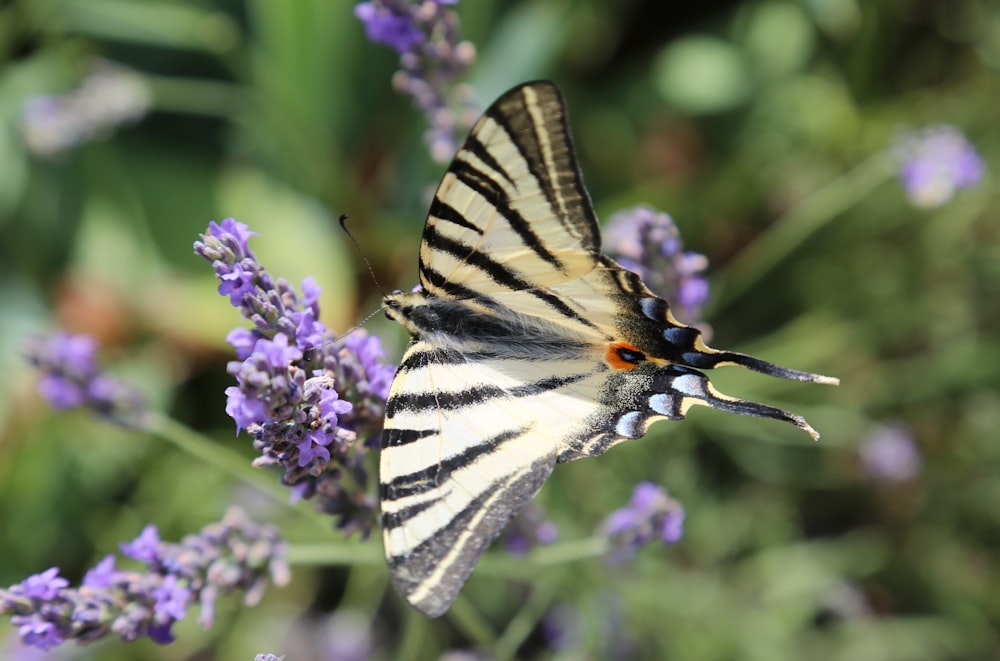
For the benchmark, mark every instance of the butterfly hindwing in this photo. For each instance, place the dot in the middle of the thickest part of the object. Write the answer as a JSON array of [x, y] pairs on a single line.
[[529, 348], [468, 441]]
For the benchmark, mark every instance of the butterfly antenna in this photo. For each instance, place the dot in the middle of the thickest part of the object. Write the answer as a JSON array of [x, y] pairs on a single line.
[[371, 271], [306, 353], [364, 258]]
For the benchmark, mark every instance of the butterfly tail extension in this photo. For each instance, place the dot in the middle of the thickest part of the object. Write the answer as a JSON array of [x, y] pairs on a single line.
[[709, 396], [696, 390], [770, 369]]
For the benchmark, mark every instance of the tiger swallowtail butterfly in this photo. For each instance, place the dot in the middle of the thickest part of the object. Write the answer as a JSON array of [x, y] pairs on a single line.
[[529, 348]]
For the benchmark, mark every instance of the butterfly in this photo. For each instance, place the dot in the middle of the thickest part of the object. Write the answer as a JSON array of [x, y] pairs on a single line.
[[529, 348]]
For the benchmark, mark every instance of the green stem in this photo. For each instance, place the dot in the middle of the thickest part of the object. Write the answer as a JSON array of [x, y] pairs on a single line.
[[334, 553], [414, 633], [471, 623], [524, 621], [558, 554], [792, 229]]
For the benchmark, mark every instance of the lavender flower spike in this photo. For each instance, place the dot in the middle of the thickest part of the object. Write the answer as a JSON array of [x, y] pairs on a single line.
[[312, 405], [235, 554], [937, 162], [71, 378], [648, 243], [431, 58], [110, 96], [649, 516]]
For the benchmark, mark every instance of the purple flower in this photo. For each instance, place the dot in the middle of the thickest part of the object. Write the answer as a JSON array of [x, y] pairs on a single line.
[[432, 57], [110, 96], [37, 631], [171, 599], [360, 363], [237, 283], [234, 554], [937, 162], [43, 586], [243, 409], [102, 575], [144, 547], [389, 24], [242, 341], [562, 628], [272, 305], [314, 447], [888, 454], [312, 405], [234, 235], [650, 515], [71, 377], [528, 529], [346, 636], [648, 243]]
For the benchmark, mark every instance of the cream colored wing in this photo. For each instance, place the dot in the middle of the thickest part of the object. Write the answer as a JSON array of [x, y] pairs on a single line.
[[467, 443], [511, 212]]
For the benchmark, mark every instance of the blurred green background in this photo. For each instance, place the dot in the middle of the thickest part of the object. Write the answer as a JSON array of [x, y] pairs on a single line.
[[761, 126]]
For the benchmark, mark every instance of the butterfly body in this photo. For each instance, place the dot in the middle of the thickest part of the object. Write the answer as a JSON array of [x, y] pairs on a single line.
[[529, 348]]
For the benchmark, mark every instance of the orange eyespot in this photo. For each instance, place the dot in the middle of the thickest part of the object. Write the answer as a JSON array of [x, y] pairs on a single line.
[[623, 356]]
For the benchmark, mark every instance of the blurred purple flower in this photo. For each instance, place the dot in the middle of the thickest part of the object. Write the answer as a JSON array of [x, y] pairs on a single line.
[[235, 554], [43, 586], [71, 377], [144, 547], [648, 243], [348, 636], [889, 455], [431, 58], [528, 529], [107, 98], [312, 404], [391, 24], [102, 575], [562, 628], [650, 515], [935, 163]]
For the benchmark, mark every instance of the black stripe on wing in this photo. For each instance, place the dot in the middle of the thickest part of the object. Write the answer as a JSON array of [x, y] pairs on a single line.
[[474, 146], [399, 518], [463, 541], [434, 281], [457, 399], [490, 190], [498, 273], [563, 184], [392, 438], [416, 359], [439, 471], [442, 211]]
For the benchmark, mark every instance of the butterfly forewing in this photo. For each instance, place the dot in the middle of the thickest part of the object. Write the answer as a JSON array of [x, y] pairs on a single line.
[[530, 348], [511, 211]]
